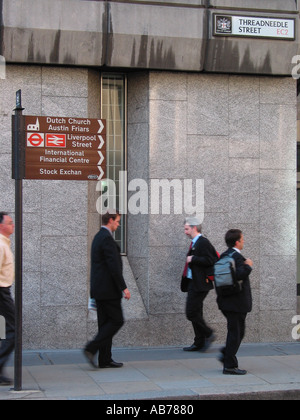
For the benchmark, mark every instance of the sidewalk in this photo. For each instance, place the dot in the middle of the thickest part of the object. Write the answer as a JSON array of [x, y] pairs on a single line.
[[157, 373]]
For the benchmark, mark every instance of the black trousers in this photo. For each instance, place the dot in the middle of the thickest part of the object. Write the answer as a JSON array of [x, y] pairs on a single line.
[[194, 313], [110, 321], [236, 326], [7, 310]]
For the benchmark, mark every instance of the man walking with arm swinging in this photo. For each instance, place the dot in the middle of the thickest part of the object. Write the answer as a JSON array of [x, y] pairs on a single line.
[[107, 288], [235, 306], [201, 258], [7, 306]]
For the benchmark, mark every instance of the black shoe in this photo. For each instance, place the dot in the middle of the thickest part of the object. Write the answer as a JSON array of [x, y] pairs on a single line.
[[5, 381], [234, 371], [209, 341], [112, 365], [90, 358], [221, 358], [193, 348]]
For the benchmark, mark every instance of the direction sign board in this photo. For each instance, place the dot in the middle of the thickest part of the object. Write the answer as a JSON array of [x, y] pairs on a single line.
[[63, 148]]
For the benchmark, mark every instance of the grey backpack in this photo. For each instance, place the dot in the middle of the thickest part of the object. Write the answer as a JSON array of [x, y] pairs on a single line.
[[225, 275]]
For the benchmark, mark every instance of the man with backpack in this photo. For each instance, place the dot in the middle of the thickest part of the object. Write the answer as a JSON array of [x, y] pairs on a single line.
[[235, 301]]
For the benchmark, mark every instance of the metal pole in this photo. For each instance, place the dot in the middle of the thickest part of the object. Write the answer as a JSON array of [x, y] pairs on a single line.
[[18, 175]]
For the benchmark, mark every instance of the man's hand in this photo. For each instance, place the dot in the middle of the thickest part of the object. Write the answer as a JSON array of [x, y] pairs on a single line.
[[127, 294], [249, 262], [189, 260]]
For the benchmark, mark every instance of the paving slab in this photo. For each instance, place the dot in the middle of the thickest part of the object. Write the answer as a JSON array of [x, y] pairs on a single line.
[[166, 373]]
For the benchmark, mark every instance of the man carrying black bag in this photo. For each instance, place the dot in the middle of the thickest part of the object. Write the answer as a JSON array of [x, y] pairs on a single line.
[[195, 281], [236, 305]]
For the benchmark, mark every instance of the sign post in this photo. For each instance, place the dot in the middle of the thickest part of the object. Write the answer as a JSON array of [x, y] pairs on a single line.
[[49, 148], [18, 165]]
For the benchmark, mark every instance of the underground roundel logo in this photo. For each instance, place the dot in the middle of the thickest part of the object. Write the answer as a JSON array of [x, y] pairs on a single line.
[[223, 25], [35, 140]]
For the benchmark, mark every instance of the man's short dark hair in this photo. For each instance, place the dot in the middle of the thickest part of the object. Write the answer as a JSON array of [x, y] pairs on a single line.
[[232, 236], [110, 214], [2, 214]]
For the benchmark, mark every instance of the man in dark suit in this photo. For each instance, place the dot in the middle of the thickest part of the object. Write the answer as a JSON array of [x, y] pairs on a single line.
[[107, 288], [236, 306], [200, 260]]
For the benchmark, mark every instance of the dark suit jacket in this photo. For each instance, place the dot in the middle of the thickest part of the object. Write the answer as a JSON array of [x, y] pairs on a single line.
[[107, 282], [241, 302], [204, 257]]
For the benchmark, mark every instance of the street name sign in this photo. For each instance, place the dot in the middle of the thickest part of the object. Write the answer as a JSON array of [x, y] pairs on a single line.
[[64, 148], [255, 27]]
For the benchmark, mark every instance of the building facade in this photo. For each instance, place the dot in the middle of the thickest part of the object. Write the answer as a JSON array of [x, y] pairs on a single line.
[[201, 111]]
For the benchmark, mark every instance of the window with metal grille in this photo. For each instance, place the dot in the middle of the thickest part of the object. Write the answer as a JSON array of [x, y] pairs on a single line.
[[113, 110]]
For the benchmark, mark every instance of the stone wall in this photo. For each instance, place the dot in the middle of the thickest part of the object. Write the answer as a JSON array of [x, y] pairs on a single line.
[[60, 217], [55, 213], [177, 35], [237, 133]]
